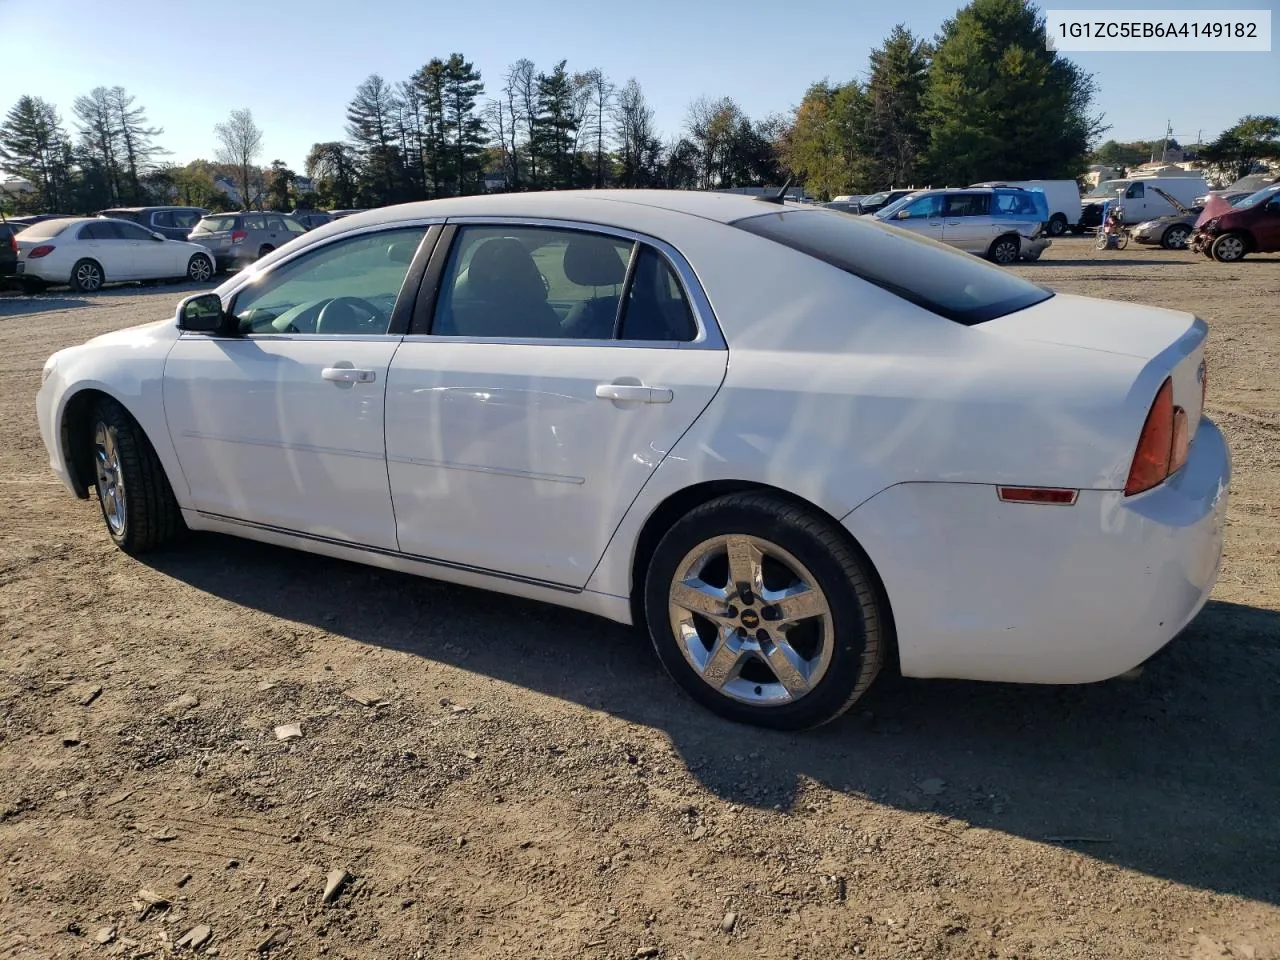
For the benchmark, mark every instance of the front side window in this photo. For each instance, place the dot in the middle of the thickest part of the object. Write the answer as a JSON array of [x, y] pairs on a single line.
[[925, 208], [131, 231], [348, 287], [162, 218], [941, 279], [1136, 191]]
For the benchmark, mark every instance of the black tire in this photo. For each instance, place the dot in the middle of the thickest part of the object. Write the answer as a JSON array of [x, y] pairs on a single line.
[[150, 517], [857, 630], [1176, 237], [1057, 225], [1004, 250], [264, 250], [200, 268], [1230, 247], [87, 276]]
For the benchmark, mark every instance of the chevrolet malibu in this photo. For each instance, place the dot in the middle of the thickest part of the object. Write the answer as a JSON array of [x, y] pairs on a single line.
[[791, 445]]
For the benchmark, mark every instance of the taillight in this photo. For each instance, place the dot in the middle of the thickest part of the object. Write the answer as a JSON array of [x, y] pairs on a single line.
[[41, 251], [13, 243], [1162, 445], [238, 235]]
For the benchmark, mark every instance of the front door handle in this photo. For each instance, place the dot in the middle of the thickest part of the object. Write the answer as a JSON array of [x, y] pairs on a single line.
[[348, 375], [632, 393]]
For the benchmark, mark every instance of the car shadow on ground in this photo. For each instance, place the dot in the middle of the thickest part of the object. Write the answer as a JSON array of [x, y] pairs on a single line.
[[1175, 774], [21, 306]]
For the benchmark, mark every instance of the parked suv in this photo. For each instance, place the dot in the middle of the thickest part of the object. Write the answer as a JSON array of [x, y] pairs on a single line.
[[238, 239], [1003, 224], [1228, 232], [878, 201], [175, 223]]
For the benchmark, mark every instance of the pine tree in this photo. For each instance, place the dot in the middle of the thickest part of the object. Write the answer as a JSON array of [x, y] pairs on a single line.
[[894, 138], [556, 127], [465, 137], [429, 86], [33, 146], [372, 124], [999, 104], [100, 143]]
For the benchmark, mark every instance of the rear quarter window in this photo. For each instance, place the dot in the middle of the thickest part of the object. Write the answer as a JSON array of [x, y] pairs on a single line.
[[956, 285]]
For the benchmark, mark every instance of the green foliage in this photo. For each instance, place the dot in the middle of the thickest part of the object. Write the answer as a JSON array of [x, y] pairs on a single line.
[[893, 137], [1237, 150], [33, 146], [999, 104]]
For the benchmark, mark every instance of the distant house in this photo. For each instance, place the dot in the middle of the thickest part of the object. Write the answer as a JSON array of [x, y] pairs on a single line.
[[494, 180], [13, 186]]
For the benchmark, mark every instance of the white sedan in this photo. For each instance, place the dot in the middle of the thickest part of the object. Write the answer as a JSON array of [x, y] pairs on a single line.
[[87, 252], [792, 445]]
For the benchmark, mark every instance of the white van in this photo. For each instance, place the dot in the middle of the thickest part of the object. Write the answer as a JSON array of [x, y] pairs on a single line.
[[1139, 201], [1063, 197]]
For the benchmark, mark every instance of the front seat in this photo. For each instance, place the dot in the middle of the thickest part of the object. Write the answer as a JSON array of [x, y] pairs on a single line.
[[505, 295], [593, 262]]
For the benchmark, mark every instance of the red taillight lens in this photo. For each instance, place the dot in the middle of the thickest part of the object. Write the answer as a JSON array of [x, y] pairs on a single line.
[[238, 235], [41, 251], [13, 243], [1153, 460]]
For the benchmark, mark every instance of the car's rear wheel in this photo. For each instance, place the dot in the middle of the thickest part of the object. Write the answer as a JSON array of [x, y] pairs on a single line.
[[86, 276], [1057, 225], [1175, 238], [1004, 250], [764, 612], [137, 502], [1229, 248]]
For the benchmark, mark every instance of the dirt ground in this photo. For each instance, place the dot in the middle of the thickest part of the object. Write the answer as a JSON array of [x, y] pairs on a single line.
[[529, 783]]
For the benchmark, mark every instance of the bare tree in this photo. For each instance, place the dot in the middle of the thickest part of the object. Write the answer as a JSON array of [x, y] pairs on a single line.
[[601, 92], [521, 91], [633, 125], [137, 139], [239, 145]]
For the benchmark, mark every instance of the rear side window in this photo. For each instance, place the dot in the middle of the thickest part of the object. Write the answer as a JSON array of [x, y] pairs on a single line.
[[45, 229], [946, 281], [218, 224], [100, 230], [162, 218]]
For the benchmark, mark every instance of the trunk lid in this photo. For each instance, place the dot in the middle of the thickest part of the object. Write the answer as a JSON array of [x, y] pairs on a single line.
[[1168, 343]]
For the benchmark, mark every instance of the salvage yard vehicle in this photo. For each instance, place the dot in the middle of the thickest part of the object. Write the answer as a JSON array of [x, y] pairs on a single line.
[[1062, 197], [1141, 201], [87, 252], [1003, 224], [790, 444], [1227, 232], [1171, 231]]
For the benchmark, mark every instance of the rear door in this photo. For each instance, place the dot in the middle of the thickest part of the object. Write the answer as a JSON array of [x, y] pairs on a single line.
[[528, 408], [967, 222]]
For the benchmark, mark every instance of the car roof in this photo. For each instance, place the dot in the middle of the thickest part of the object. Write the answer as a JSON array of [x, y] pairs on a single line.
[[600, 206]]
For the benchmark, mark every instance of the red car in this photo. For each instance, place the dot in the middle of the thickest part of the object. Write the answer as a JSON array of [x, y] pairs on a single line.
[[1252, 225]]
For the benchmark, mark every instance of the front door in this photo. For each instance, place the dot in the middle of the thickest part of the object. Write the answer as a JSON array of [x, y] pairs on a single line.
[[281, 426], [521, 428], [922, 216]]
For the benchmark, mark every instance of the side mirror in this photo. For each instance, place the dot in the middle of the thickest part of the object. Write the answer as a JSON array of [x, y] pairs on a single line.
[[202, 314], [902, 215], [158, 236]]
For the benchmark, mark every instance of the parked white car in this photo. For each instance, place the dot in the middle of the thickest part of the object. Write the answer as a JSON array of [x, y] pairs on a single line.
[[791, 444], [87, 252]]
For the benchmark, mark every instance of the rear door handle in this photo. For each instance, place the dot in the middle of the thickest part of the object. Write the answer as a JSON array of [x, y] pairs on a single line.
[[633, 393], [349, 375]]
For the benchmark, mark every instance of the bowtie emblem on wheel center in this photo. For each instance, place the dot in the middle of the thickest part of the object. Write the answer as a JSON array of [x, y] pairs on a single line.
[[750, 619]]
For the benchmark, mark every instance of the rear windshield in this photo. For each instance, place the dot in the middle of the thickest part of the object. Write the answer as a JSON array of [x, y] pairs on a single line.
[[45, 229], [941, 279], [216, 224]]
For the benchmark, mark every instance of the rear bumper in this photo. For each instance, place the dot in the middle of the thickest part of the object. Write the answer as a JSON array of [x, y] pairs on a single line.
[[985, 590]]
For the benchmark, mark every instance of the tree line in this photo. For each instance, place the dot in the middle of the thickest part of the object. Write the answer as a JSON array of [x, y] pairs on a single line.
[[982, 99]]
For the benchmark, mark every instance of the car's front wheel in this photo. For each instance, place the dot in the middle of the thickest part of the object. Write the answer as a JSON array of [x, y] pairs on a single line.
[[86, 276], [764, 612], [1229, 248], [199, 268], [137, 502], [1175, 238]]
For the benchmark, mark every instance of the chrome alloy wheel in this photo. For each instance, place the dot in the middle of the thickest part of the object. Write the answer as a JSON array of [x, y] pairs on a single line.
[[88, 276], [106, 458], [751, 620]]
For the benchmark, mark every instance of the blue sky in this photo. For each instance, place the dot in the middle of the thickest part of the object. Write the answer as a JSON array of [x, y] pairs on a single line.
[[302, 59]]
